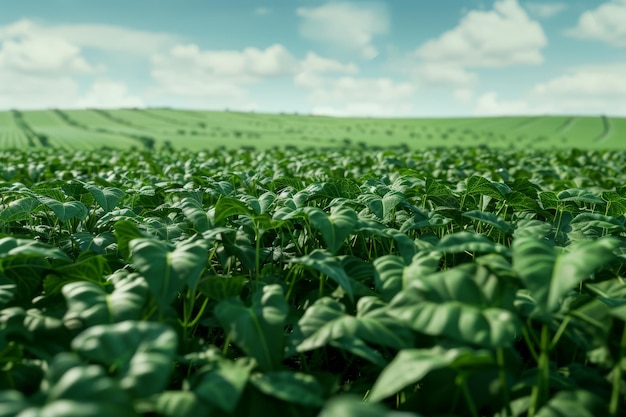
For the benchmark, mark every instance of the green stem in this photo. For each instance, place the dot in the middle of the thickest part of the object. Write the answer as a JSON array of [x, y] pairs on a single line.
[[503, 382], [540, 389], [617, 377], [462, 382]]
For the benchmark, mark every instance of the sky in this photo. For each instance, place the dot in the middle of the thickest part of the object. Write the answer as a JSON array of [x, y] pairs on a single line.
[[394, 58]]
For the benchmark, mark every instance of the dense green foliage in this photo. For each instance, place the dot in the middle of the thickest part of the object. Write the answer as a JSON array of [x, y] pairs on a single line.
[[150, 128], [347, 282]]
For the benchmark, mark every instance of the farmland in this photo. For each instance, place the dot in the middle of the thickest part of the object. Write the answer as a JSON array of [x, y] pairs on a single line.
[[291, 265], [125, 128]]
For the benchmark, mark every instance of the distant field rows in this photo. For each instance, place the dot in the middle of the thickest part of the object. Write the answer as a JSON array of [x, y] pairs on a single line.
[[126, 128]]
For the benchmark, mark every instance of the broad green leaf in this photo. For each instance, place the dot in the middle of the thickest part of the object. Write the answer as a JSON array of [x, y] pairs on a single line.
[[549, 275], [411, 365], [220, 287], [88, 267], [326, 322], [108, 197], [469, 242], [259, 329], [139, 353], [7, 290], [490, 219], [352, 406], [11, 247], [324, 262], [228, 206], [88, 386], [92, 305], [334, 227], [179, 404], [168, 271], [19, 210], [461, 303], [222, 384], [100, 243], [289, 386], [388, 276], [65, 211], [125, 231], [196, 214], [576, 403], [579, 196], [12, 403], [481, 185]]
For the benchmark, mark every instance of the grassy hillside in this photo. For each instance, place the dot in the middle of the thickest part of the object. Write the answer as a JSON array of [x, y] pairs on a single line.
[[124, 128]]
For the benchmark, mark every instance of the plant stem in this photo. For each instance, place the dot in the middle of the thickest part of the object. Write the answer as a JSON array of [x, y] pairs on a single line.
[[540, 389], [617, 377], [503, 382], [462, 382]]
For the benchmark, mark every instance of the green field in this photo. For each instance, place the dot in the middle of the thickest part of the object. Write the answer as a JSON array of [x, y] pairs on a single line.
[[125, 128]]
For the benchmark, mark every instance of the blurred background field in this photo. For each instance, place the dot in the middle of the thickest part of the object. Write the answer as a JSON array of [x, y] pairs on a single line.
[[187, 129]]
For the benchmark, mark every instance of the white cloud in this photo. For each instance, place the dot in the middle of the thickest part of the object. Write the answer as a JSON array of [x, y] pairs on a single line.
[[464, 95], [313, 68], [488, 104], [27, 91], [219, 78], [588, 89], [545, 10], [605, 23], [437, 74], [352, 96], [500, 37], [350, 26], [109, 94], [98, 36], [261, 11], [597, 89], [24, 52]]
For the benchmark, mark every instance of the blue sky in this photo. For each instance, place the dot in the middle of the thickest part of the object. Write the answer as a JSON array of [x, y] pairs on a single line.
[[345, 58]]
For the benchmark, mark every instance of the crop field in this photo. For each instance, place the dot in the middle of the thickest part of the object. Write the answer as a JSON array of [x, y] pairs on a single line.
[[330, 278], [197, 130]]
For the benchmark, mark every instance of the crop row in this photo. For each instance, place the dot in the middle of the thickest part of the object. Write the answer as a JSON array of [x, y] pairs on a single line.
[[456, 282]]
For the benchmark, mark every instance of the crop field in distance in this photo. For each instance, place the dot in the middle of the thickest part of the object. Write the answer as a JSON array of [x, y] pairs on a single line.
[[125, 128], [166, 263]]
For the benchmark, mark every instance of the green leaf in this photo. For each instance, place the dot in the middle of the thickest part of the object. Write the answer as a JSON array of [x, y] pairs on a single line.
[[469, 242], [88, 267], [326, 322], [334, 227], [65, 211], [92, 305], [179, 404], [228, 206], [11, 247], [411, 365], [490, 219], [461, 303], [577, 403], [19, 210], [220, 287], [7, 291], [352, 406], [168, 271], [195, 213], [222, 384], [388, 276], [108, 198], [139, 353], [549, 276], [324, 262], [289, 386], [259, 329]]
